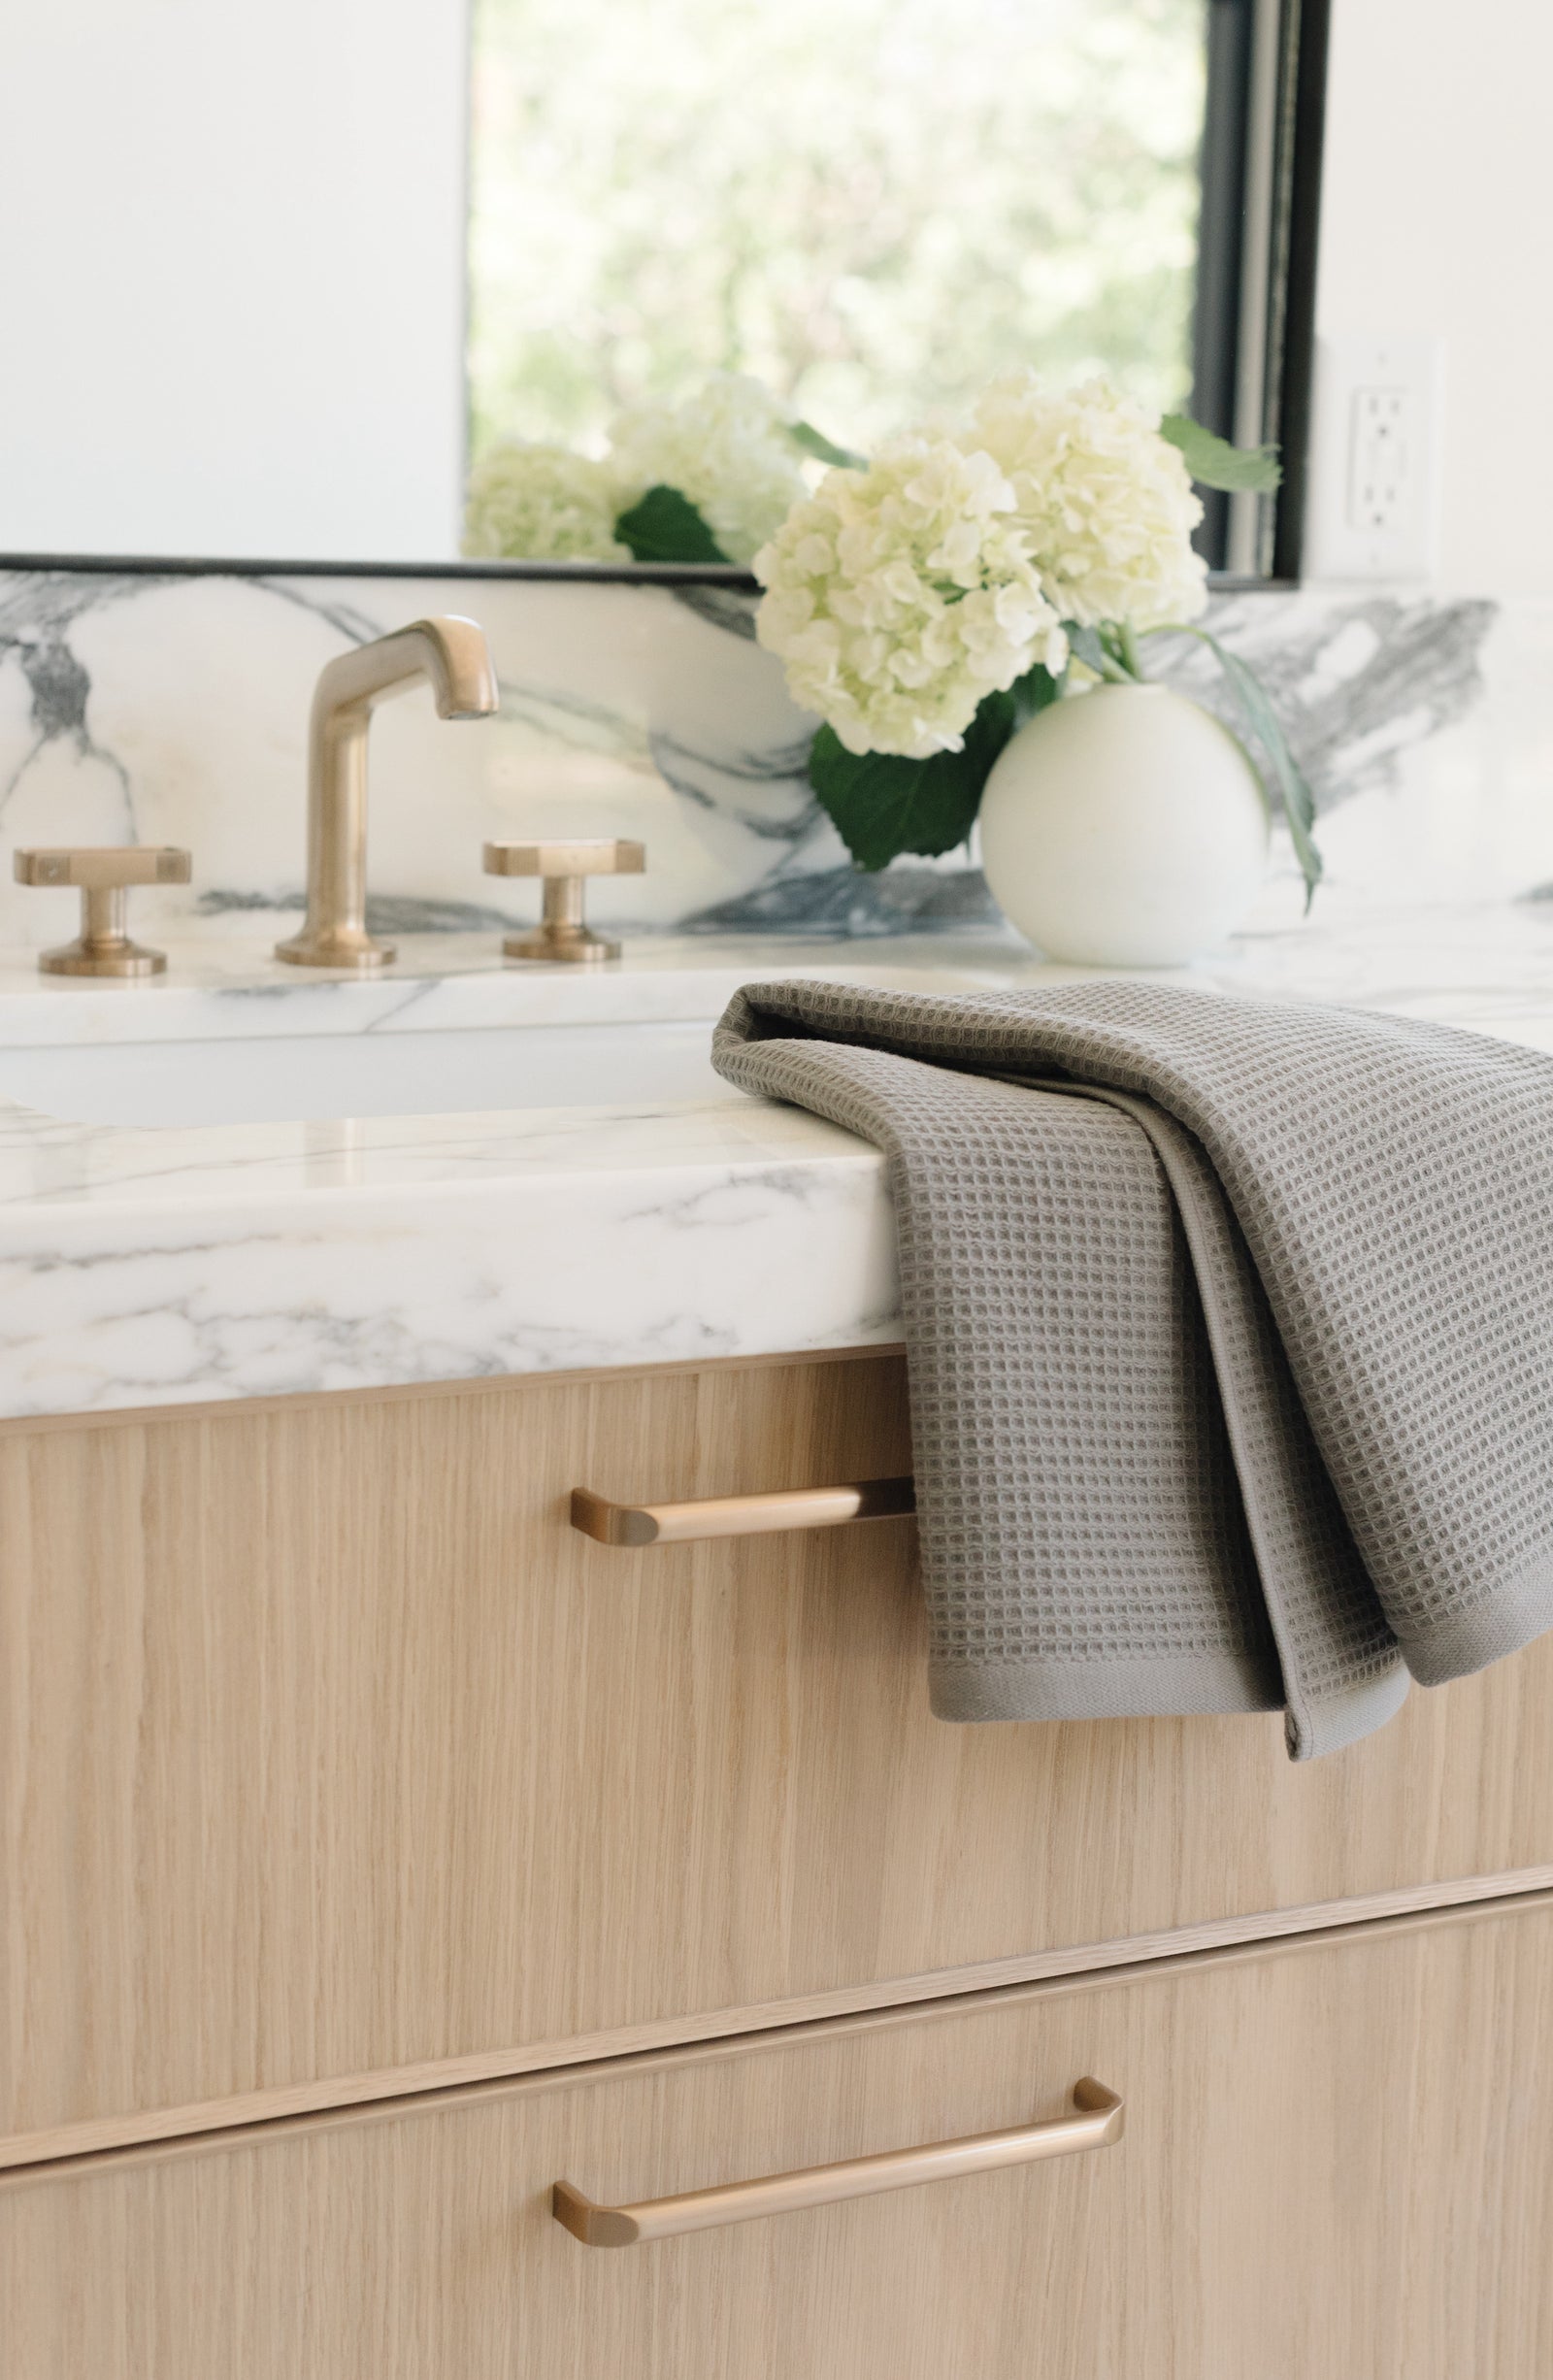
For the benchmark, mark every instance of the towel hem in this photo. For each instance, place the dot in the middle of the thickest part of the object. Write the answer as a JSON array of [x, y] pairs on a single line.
[[1464, 1642], [1196, 1685]]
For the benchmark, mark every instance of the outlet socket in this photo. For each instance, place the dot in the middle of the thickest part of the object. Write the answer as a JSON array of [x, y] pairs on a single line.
[[1375, 449]]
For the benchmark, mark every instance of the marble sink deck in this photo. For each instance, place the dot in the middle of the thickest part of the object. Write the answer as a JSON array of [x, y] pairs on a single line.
[[142, 1267]]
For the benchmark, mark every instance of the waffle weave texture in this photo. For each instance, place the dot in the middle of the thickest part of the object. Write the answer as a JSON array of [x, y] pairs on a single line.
[[1229, 1334]]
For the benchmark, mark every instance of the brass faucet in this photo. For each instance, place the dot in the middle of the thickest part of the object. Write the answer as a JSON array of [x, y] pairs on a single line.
[[453, 655]]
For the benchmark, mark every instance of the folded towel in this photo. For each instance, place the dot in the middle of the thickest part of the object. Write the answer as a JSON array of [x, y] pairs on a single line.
[[1230, 1338]]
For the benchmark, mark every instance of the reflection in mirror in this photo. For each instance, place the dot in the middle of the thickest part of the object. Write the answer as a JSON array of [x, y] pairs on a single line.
[[234, 314], [313, 264], [872, 206]]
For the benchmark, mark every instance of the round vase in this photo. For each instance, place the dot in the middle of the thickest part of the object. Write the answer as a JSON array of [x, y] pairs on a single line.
[[1124, 827]]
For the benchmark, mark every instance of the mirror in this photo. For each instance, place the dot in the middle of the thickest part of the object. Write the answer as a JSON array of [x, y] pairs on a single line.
[[289, 271]]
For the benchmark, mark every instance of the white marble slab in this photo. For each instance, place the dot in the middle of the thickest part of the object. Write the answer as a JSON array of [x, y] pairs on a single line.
[[165, 708], [356, 1257], [144, 1268], [230, 987]]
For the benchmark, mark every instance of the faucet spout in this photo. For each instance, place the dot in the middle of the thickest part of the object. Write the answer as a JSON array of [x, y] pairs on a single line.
[[453, 655]]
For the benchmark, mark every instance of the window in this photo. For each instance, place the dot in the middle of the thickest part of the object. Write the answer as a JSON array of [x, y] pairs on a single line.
[[876, 205]]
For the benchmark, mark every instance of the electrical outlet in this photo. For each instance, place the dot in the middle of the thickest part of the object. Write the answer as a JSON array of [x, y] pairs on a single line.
[[1373, 501], [1378, 460]]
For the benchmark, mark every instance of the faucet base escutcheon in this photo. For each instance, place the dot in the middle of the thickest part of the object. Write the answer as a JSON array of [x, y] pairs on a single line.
[[359, 952]]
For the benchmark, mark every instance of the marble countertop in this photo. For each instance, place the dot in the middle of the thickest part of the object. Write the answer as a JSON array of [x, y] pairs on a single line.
[[142, 1267]]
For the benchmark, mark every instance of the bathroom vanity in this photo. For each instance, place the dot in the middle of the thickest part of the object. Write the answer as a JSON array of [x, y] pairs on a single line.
[[382, 1850]]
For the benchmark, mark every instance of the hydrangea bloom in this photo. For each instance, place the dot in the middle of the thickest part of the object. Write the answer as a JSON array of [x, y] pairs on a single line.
[[901, 595], [1106, 502], [543, 504], [727, 449]]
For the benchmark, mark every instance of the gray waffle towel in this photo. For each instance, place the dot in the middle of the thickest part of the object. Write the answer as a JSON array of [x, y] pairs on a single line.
[[1229, 1336]]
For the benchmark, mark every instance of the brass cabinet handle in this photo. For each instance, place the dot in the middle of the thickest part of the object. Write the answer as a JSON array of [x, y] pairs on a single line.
[[739, 1516], [1096, 2122]]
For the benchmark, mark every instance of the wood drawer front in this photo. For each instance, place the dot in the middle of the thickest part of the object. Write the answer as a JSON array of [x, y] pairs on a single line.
[[1337, 2161], [330, 1750]]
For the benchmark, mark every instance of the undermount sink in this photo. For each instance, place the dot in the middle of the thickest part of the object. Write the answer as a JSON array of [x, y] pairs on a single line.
[[323, 1077]]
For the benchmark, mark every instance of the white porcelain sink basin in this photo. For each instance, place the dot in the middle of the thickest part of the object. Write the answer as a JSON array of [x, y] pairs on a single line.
[[322, 1077]]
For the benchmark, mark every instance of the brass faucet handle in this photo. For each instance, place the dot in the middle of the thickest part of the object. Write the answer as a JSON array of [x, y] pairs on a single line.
[[103, 876], [563, 934], [101, 868], [592, 855]]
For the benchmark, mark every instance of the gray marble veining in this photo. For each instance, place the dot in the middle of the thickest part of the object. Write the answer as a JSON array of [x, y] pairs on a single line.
[[1358, 680], [173, 708], [144, 1265], [154, 1266]]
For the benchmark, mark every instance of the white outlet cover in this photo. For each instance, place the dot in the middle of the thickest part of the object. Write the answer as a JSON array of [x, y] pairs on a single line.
[[1376, 446]]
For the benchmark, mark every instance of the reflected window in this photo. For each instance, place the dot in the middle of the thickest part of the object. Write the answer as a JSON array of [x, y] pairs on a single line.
[[872, 205]]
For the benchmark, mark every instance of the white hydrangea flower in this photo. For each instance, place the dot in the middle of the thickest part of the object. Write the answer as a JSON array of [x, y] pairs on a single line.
[[727, 449], [1107, 505], [543, 504], [901, 595]]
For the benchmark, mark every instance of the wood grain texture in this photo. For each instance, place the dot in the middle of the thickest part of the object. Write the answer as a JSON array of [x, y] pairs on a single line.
[[1335, 2162], [102, 2136], [328, 1750]]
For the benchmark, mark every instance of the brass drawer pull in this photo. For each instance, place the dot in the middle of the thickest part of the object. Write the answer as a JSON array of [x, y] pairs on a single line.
[[1096, 2123], [739, 1516]]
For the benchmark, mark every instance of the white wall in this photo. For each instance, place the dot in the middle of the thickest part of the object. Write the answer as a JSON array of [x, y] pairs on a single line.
[[1437, 216], [231, 277]]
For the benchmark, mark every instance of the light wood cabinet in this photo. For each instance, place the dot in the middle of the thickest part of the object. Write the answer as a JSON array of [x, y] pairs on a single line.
[[1335, 2164], [333, 1763]]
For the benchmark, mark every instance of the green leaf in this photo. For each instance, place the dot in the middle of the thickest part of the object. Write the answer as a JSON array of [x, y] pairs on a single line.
[[1034, 691], [1299, 802], [1214, 463], [665, 526], [824, 450], [882, 806]]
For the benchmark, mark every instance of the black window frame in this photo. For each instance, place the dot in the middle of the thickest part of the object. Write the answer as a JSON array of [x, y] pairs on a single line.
[[1253, 322]]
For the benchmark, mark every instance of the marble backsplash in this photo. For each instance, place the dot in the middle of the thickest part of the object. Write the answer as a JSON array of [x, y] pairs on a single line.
[[173, 709]]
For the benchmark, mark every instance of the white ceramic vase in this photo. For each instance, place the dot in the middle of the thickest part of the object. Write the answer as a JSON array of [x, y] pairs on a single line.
[[1124, 827]]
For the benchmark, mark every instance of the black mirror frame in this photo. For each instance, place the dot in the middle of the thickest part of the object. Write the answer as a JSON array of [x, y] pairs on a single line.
[[1253, 330]]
